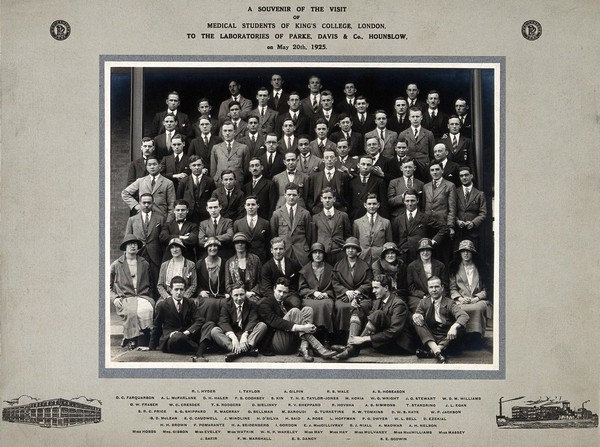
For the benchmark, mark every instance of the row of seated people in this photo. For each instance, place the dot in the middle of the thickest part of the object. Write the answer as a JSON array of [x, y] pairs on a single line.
[[245, 306]]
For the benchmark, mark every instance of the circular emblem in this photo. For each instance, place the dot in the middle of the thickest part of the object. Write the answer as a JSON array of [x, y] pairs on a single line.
[[60, 29], [531, 30]]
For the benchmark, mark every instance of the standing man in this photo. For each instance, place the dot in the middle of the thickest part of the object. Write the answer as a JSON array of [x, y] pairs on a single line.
[[332, 226], [434, 119], [420, 143], [371, 230], [326, 113], [175, 166], [462, 111], [299, 119], [400, 120], [182, 229], [412, 93], [471, 208], [330, 177], [256, 229], [362, 121], [230, 196], [196, 189], [272, 159], [202, 145], [348, 106], [183, 121], [218, 227], [162, 142], [253, 138], [204, 108], [245, 104], [308, 162], [363, 184], [137, 168], [228, 155], [400, 185], [278, 100], [387, 137], [312, 103], [321, 143], [290, 175], [383, 167], [288, 141], [355, 139], [261, 187], [266, 116], [460, 147], [449, 168], [344, 162]]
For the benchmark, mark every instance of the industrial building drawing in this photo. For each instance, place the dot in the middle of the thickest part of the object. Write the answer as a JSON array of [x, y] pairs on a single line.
[[52, 413]]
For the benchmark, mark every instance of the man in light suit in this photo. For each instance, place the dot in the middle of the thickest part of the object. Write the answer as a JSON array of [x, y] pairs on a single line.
[[439, 321], [330, 177], [256, 229], [321, 142], [261, 187], [278, 101], [230, 196], [471, 208], [371, 230], [400, 185], [239, 330], [290, 175], [355, 140], [245, 104], [218, 227], [196, 189], [332, 227], [420, 143], [161, 188], [182, 229], [228, 155], [293, 223], [203, 144], [183, 122], [146, 227], [387, 137], [308, 162], [266, 115]]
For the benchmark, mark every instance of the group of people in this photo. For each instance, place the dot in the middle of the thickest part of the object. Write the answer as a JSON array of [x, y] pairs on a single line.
[[299, 227]]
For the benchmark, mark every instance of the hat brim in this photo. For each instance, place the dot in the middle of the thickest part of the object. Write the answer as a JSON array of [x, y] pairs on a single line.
[[139, 243], [353, 245]]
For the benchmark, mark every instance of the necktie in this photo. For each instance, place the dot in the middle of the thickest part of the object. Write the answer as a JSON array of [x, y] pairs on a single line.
[[253, 138], [146, 221], [281, 266], [153, 182], [291, 214], [228, 148], [169, 140], [205, 140], [178, 304], [235, 126], [362, 118], [239, 315], [271, 159], [289, 143], [381, 133], [467, 195], [412, 103], [432, 114], [294, 117], [328, 176], [276, 99], [416, 133], [410, 217], [364, 179], [462, 120], [215, 223], [305, 163], [315, 104], [262, 112], [409, 183], [454, 142], [282, 307], [254, 182], [371, 222], [177, 160], [434, 184], [252, 223]]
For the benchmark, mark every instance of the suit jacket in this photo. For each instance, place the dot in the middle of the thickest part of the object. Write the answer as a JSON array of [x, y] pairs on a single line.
[[171, 230], [170, 168], [267, 122], [121, 283], [255, 148], [167, 320], [309, 284], [237, 160], [363, 128], [312, 165], [451, 173], [281, 106], [150, 236], [473, 210], [245, 109], [466, 128], [317, 181], [332, 122], [199, 148], [259, 237], [459, 285], [183, 123], [228, 317], [420, 149], [464, 154], [343, 280], [270, 272], [358, 191], [266, 194], [441, 203], [396, 189], [389, 143], [449, 311], [231, 208], [240, 129], [317, 151], [356, 144], [195, 128], [223, 232], [271, 313], [281, 180], [407, 235], [350, 166], [342, 106], [389, 169], [372, 239], [283, 148], [438, 125], [398, 124], [297, 234], [271, 170], [332, 234], [417, 278], [163, 193], [136, 170], [197, 197], [160, 145], [302, 124], [307, 107], [398, 317]]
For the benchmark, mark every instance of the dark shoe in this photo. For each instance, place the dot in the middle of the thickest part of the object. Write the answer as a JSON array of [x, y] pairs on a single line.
[[267, 353], [344, 355], [440, 358], [132, 345], [317, 346], [252, 353], [303, 352], [199, 359], [230, 357], [338, 348], [327, 354], [124, 342], [422, 354]]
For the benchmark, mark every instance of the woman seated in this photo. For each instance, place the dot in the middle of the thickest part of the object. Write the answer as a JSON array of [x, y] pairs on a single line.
[[130, 291], [468, 275], [178, 265], [211, 281], [243, 267], [420, 270], [316, 291], [393, 267]]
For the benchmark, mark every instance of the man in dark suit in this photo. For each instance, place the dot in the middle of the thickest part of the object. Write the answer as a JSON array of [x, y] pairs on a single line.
[[362, 121], [230, 196], [462, 111], [202, 145], [383, 167], [433, 118], [272, 159], [178, 326], [449, 168], [327, 114], [420, 143], [266, 116], [400, 185], [332, 226], [412, 93], [387, 137], [347, 105], [439, 321], [256, 229], [162, 142], [288, 141], [330, 177], [299, 119], [308, 162], [460, 148], [363, 184], [146, 227], [321, 142], [183, 122], [175, 166], [253, 138], [260, 187], [239, 330], [196, 190], [278, 100], [312, 103], [137, 168], [183, 229], [218, 227], [355, 140], [471, 208], [399, 120], [204, 108], [383, 327], [244, 103], [344, 162], [413, 225], [280, 266]]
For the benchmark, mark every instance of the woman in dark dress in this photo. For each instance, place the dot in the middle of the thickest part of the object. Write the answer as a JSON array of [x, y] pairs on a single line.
[[211, 281], [243, 267]]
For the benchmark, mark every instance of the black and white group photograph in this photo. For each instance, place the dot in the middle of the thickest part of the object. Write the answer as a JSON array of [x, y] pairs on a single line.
[[319, 214]]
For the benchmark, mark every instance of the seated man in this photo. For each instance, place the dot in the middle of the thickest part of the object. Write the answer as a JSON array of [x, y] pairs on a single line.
[[439, 321], [384, 324], [239, 330], [283, 325], [178, 326]]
